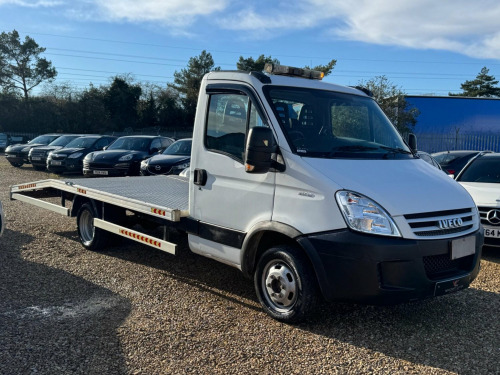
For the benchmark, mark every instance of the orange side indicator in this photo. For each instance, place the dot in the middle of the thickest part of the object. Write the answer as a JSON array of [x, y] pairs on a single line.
[[27, 186], [158, 211], [81, 191], [141, 238]]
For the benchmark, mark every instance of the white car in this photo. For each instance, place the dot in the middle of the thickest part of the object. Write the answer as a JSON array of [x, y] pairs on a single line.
[[481, 178], [2, 221]]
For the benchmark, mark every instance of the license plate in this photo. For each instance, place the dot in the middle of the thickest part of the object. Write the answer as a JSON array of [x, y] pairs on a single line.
[[451, 286], [36, 158], [104, 173], [462, 247], [56, 162], [492, 232]]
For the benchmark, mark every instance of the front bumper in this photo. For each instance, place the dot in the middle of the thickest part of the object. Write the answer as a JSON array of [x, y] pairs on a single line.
[[17, 158], [66, 165], [383, 270]]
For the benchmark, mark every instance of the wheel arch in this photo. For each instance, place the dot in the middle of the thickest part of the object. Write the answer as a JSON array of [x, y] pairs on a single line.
[[269, 234], [79, 201]]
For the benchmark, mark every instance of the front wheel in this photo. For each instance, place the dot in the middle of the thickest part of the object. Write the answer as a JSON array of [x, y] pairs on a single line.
[[91, 237], [16, 164], [286, 284]]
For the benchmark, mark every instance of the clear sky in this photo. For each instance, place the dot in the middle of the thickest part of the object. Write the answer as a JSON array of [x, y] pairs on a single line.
[[422, 46]]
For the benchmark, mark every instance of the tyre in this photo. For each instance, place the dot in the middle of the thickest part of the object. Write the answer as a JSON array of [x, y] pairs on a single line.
[[286, 284], [16, 164], [92, 238]]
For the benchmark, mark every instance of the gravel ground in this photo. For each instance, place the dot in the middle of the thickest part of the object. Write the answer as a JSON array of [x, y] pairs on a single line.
[[134, 310]]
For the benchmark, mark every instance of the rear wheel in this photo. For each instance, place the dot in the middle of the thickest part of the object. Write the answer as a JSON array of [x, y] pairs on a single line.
[[91, 237], [286, 284]]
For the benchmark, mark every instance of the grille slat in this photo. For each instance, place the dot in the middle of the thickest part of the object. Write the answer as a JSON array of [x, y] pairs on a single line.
[[428, 224]]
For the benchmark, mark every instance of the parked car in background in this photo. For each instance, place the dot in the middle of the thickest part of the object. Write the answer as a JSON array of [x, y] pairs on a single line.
[[124, 156], [2, 220], [173, 160], [17, 154], [452, 162], [4, 141], [481, 178], [70, 158], [429, 159], [38, 155]]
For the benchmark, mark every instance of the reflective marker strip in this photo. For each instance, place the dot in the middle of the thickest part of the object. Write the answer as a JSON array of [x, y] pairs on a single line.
[[141, 238], [136, 236], [158, 211], [81, 191], [27, 186]]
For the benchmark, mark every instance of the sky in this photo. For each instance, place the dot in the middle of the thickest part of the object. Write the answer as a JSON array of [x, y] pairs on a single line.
[[422, 46]]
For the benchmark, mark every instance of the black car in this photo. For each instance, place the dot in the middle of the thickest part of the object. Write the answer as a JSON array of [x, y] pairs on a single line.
[[453, 162], [70, 158], [429, 159], [17, 154], [124, 156], [173, 160], [38, 155]]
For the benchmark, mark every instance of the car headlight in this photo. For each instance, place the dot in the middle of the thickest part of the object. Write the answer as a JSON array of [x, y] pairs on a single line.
[[30, 152], [49, 155], [75, 155], [144, 164], [126, 157], [364, 215], [26, 149], [181, 166]]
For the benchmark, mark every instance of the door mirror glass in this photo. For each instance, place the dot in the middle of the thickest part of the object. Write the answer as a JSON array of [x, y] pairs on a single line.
[[412, 142], [259, 148]]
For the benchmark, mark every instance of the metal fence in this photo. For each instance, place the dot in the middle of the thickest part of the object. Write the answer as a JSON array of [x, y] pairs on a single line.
[[447, 142]]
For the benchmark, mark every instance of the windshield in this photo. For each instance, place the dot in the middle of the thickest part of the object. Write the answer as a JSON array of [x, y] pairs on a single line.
[[82, 142], [328, 124], [484, 169], [182, 148], [126, 143], [63, 140], [45, 139]]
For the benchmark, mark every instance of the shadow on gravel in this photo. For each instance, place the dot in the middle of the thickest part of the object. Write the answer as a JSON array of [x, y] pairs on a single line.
[[458, 333], [491, 254], [52, 322]]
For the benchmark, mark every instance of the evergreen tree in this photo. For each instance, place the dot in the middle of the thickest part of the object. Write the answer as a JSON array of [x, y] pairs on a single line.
[[484, 86]]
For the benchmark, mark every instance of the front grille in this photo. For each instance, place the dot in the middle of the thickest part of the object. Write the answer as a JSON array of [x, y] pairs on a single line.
[[58, 157], [162, 170], [37, 153], [428, 224], [483, 213], [441, 266]]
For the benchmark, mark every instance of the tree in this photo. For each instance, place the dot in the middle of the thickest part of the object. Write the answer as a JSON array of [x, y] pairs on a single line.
[[251, 65], [188, 81], [327, 69], [483, 86], [121, 101], [392, 101], [21, 67]]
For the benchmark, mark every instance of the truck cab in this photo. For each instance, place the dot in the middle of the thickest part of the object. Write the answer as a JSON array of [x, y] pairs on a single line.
[[343, 195]]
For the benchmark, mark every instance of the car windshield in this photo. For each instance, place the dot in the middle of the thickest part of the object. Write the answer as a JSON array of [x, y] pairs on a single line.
[[483, 169], [46, 139], [127, 143], [447, 158], [326, 124], [63, 140], [82, 142], [182, 148]]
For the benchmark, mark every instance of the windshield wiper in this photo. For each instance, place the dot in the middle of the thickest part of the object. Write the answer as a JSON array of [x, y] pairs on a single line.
[[395, 150], [351, 148]]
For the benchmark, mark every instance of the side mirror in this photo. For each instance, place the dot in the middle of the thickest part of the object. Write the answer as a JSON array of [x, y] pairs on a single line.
[[412, 142], [259, 148], [105, 148]]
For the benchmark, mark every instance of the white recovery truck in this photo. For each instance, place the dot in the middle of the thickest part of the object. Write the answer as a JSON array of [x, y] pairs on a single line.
[[304, 186]]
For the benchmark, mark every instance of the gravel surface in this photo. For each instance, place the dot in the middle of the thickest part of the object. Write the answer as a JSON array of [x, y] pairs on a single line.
[[134, 310]]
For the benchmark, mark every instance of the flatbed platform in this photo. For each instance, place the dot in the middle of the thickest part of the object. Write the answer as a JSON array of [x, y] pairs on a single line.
[[163, 196]]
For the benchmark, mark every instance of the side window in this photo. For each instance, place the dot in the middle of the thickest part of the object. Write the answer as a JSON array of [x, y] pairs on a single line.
[[227, 124], [156, 143], [165, 142], [101, 143]]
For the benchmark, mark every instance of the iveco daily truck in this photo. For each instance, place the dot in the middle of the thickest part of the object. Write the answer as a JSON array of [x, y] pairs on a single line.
[[304, 186]]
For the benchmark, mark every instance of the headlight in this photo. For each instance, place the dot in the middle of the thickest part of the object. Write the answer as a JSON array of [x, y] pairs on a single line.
[[144, 164], [49, 155], [126, 157], [364, 215], [31, 151], [75, 155], [26, 149], [181, 166]]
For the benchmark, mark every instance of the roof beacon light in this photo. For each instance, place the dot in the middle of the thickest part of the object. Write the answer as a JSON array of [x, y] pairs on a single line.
[[293, 72]]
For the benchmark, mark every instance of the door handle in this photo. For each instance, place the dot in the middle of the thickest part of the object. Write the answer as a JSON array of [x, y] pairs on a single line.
[[200, 177]]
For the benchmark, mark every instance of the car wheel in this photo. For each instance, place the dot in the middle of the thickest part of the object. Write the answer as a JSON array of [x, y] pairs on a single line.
[[92, 238], [286, 284]]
